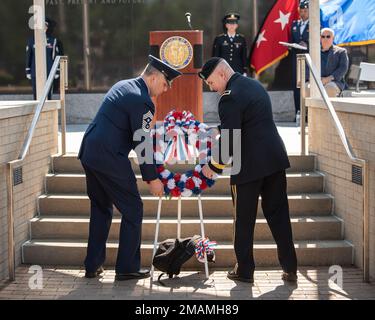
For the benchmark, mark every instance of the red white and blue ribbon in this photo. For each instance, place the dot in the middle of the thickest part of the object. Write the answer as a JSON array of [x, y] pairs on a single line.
[[204, 246], [187, 140]]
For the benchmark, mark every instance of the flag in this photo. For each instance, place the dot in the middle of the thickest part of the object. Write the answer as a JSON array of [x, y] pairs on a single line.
[[276, 27], [352, 21]]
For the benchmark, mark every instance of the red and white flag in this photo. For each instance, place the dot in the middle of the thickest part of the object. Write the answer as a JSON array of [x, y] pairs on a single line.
[[276, 27]]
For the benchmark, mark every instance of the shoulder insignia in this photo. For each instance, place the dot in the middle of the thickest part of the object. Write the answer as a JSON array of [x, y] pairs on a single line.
[[226, 93], [146, 121]]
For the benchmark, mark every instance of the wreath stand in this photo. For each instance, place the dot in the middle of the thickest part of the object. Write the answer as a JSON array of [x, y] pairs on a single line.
[[178, 231], [172, 120]]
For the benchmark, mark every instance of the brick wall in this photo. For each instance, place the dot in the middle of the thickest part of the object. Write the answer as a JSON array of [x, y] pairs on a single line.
[[13, 127], [335, 164]]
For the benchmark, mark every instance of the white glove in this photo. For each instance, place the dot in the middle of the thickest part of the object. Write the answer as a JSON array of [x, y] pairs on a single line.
[[57, 76], [28, 76], [245, 74]]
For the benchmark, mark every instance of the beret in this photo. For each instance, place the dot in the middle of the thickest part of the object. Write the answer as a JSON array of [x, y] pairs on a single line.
[[209, 67]]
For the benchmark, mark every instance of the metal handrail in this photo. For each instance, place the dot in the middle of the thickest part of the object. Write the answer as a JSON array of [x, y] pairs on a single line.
[[63, 62], [302, 59], [38, 110]]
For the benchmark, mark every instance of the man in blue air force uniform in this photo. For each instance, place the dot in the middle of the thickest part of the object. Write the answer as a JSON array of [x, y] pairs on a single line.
[[300, 35], [127, 108], [53, 49]]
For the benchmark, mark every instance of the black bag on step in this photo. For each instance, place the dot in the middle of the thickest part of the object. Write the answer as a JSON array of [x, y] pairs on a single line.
[[172, 254]]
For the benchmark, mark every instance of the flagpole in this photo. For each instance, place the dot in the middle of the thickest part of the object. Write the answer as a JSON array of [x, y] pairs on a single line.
[[255, 18], [255, 26], [314, 39], [86, 43]]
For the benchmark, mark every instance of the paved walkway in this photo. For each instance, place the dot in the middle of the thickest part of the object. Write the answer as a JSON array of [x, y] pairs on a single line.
[[70, 283]]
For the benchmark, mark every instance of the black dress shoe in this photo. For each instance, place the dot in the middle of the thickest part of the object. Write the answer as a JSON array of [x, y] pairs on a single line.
[[289, 276], [99, 271], [140, 274], [233, 275]]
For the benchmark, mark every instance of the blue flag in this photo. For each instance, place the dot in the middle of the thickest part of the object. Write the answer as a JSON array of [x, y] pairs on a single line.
[[352, 20]]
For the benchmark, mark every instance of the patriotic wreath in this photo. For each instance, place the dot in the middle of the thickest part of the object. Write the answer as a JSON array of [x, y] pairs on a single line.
[[186, 140]]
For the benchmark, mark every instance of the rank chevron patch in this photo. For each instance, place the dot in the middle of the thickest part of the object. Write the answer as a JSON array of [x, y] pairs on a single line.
[[146, 121]]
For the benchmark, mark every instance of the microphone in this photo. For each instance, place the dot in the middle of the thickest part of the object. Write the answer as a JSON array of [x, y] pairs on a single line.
[[188, 16]]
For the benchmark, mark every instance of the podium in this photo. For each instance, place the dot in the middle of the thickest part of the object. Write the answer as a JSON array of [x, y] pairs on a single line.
[[182, 50]]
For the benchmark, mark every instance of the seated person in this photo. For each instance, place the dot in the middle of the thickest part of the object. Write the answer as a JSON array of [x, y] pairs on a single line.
[[334, 64]]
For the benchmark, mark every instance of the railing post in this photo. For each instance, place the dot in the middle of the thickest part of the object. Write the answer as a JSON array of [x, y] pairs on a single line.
[[298, 84], [303, 104], [63, 84], [301, 83], [366, 223], [10, 213]]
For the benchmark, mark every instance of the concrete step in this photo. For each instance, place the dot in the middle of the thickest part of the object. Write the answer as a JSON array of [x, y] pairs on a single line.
[[305, 182], [70, 164], [73, 252], [315, 228], [305, 204]]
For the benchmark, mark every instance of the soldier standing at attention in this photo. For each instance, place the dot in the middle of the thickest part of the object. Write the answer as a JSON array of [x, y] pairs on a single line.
[[300, 35], [231, 46], [53, 49]]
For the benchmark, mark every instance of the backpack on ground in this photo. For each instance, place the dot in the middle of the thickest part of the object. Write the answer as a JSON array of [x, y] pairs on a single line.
[[172, 254]]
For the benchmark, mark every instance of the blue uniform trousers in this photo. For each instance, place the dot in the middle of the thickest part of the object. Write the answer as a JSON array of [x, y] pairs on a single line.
[[105, 191]]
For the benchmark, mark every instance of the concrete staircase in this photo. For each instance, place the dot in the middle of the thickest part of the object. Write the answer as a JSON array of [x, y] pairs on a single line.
[[60, 229]]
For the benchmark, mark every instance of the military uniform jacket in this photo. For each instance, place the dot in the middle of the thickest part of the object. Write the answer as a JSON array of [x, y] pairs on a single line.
[[297, 37], [108, 140], [246, 105], [53, 49], [234, 52]]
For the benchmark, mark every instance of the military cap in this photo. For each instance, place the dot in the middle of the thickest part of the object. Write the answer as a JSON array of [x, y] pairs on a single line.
[[304, 4], [231, 18], [49, 22], [209, 67], [168, 72]]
